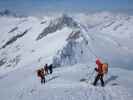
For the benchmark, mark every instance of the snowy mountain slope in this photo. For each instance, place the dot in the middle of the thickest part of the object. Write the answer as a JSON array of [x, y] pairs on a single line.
[[26, 36], [22, 43], [109, 44], [72, 42], [58, 24], [65, 84]]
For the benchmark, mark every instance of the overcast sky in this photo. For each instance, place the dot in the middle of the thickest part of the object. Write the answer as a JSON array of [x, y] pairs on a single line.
[[45, 6]]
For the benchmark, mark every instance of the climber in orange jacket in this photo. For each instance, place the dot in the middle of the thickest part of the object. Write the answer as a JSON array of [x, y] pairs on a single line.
[[100, 73]]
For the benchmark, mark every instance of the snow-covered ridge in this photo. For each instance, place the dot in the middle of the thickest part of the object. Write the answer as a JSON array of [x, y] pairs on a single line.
[[65, 39], [57, 24], [72, 42], [104, 35]]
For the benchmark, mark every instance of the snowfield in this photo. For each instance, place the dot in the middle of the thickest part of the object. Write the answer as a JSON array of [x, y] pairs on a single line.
[[72, 43], [66, 84]]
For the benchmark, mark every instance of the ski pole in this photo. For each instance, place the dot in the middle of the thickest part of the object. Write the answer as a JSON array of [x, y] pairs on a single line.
[[89, 78]]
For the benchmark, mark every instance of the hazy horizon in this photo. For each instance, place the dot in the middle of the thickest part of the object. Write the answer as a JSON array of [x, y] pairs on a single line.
[[41, 7]]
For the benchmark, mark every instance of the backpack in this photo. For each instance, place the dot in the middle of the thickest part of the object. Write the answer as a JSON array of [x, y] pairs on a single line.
[[38, 72], [105, 68]]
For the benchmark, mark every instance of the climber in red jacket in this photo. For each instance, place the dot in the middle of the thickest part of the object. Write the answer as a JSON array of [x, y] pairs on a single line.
[[100, 73]]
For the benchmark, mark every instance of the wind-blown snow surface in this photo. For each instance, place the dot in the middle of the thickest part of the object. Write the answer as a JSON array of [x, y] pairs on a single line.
[[73, 43], [65, 84]]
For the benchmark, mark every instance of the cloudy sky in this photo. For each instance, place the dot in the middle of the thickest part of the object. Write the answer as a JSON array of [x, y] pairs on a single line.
[[45, 6]]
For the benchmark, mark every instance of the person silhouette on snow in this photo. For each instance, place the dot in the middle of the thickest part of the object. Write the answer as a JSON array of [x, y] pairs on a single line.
[[51, 68], [41, 73], [100, 73], [46, 68]]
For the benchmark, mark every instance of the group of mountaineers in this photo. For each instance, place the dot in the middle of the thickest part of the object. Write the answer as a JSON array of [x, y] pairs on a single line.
[[101, 69], [42, 72]]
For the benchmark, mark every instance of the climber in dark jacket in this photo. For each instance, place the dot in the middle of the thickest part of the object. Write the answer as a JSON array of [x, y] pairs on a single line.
[[46, 68], [51, 68]]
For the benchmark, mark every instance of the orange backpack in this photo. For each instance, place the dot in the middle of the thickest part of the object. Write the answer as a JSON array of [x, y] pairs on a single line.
[[105, 68]]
